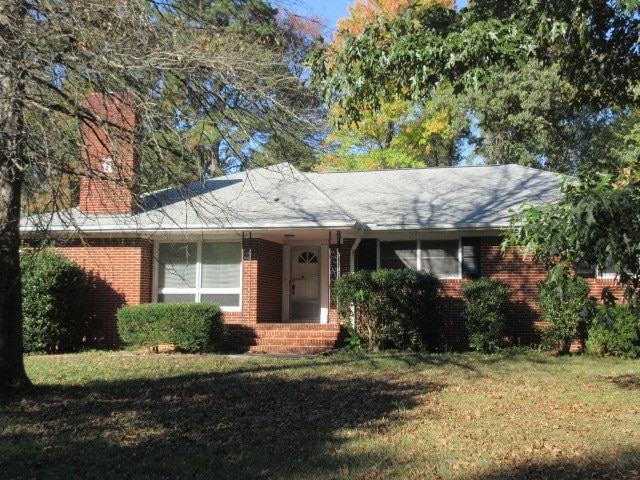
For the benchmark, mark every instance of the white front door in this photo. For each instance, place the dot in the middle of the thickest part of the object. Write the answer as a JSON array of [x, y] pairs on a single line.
[[304, 288]]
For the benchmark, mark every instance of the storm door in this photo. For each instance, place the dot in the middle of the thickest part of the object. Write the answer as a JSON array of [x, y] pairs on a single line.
[[305, 284]]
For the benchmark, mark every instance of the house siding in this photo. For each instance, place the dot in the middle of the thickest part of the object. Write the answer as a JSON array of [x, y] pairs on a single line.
[[119, 272], [261, 283], [268, 281]]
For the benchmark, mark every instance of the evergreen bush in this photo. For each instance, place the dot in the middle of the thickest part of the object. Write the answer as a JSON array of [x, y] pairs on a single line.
[[485, 313], [614, 330], [391, 308], [566, 306], [191, 327], [51, 302]]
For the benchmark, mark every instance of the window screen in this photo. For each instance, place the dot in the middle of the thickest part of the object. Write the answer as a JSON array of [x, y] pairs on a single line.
[[588, 271], [440, 257], [398, 254], [222, 299]]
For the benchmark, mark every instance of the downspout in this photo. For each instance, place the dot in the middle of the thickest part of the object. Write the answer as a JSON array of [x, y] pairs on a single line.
[[352, 257]]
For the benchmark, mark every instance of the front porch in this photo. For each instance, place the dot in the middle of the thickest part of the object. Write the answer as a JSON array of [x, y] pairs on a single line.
[[287, 302], [288, 276]]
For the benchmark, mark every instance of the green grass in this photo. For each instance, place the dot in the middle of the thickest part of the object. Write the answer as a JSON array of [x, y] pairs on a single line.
[[466, 416]]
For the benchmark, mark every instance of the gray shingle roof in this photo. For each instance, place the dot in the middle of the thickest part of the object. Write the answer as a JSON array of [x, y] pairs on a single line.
[[275, 197], [433, 198], [282, 197]]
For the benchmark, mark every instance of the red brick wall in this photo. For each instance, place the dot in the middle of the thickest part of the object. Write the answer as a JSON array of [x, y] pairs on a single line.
[[521, 273], [268, 295], [119, 272], [114, 192], [261, 283], [599, 285]]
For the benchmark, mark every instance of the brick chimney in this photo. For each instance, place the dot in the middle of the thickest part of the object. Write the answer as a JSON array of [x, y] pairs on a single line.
[[109, 181]]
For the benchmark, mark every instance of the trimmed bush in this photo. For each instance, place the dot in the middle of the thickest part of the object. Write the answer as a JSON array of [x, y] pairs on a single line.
[[485, 313], [566, 305], [51, 302], [391, 308], [614, 330], [191, 327]]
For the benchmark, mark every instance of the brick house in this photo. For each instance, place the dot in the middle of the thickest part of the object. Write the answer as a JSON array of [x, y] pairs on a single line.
[[267, 244]]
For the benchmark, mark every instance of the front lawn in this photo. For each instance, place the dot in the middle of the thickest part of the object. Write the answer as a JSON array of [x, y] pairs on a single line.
[[391, 415]]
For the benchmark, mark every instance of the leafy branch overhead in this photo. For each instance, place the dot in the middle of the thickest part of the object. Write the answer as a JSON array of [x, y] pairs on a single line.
[[596, 223], [426, 43], [539, 82]]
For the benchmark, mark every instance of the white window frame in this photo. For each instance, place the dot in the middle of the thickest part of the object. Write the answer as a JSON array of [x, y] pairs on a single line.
[[598, 275], [198, 291]]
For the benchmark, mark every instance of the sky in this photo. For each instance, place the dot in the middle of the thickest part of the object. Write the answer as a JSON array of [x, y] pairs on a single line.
[[332, 10]]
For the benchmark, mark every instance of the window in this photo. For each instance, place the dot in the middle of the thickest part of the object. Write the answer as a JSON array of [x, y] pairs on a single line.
[[440, 257], [445, 258], [588, 271], [307, 257], [398, 254], [200, 272]]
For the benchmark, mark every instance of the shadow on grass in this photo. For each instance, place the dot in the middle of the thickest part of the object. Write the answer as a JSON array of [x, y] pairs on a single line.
[[221, 425], [625, 465], [628, 382]]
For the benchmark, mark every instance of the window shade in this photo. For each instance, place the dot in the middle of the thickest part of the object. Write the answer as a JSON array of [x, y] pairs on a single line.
[[221, 265], [177, 265], [471, 258]]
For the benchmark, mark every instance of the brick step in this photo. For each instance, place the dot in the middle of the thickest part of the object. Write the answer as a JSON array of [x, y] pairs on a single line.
[[284, 338]]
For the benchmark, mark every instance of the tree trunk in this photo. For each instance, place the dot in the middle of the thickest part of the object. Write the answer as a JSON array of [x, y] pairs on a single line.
[[12, 373]]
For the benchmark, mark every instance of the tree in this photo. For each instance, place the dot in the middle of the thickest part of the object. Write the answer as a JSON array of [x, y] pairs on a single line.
[[541, 81], [399, 135], [202, 76], [595, 223], [594, 45]]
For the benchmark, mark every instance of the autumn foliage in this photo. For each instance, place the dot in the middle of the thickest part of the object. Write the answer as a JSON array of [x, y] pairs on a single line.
[[366, 12]]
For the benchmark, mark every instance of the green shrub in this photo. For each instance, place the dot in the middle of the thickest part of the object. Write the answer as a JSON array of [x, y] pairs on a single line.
[[614, 330], [191, 327], [51, 302], [485, 313], [391, 308], [565, 304]]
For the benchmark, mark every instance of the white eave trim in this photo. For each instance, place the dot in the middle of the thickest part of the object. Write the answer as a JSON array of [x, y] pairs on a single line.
[[436, 227], [109, 229]]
